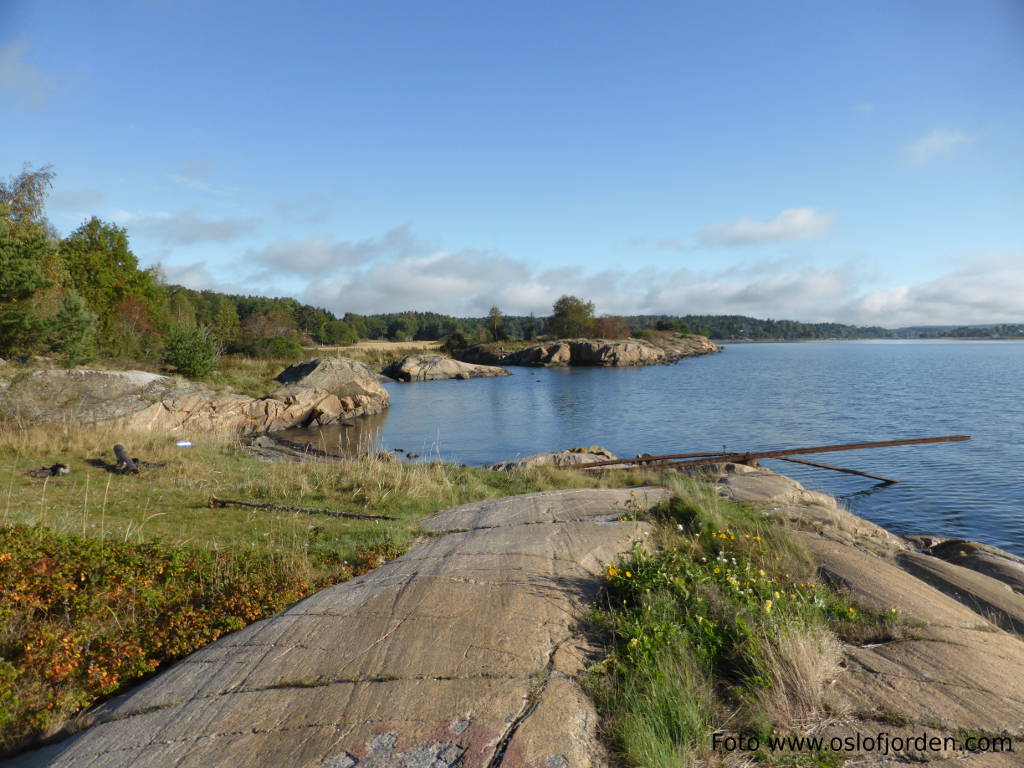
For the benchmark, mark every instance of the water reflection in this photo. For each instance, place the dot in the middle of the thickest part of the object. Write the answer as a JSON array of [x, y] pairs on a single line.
[[350, 439], [756, 397]]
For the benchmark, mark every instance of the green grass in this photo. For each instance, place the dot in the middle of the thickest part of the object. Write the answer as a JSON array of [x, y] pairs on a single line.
[[724, 627], [164, 573]]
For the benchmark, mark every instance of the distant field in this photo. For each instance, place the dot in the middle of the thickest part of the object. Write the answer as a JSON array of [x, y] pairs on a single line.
[[383, 346], [378, 354]]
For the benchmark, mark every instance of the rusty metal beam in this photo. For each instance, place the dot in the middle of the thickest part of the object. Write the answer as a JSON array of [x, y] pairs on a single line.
[[837, 469], [740, 458], [647, 459]]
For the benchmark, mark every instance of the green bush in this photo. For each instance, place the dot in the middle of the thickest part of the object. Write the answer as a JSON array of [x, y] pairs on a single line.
[[73, 331], [271, 348], [191, 349]]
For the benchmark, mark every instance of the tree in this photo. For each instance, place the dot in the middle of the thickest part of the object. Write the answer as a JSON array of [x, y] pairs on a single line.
[[24, 196], [610, 327], [271, 325], [103, 271], [25, 250], [191, 349], [496, 324], [571, 317], [73, 331], [226, 327]]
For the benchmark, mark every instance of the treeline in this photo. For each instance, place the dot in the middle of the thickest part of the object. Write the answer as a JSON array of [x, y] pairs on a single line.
[[84, 296], [740, 327], [1002, 331]]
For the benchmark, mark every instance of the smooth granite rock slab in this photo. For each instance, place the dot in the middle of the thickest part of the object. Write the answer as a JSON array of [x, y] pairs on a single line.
[[879, 584], [956, 678], [983, 594], [460, 653], [547, 506]]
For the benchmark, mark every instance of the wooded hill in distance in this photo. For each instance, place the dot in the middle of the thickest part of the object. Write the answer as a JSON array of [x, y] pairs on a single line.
[[83, 297]]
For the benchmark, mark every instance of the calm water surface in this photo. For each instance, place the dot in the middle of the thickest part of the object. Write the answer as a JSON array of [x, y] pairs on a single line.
[[761, 397]]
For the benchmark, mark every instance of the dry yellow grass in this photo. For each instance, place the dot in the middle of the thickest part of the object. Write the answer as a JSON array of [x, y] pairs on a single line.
[[382, 345], [168, 500], [800, 662], [378, 354]]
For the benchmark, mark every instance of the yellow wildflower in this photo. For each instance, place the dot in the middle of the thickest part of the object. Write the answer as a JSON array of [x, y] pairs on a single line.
[[768, 606], [612, 571], [629, 575]]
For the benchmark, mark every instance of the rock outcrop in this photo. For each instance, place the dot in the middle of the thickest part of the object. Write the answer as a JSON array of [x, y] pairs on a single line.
[[954, 667], [566, 458], [590, 352], [463, 653], [438, 367], [330, 390], [86, 396], [338, 375]]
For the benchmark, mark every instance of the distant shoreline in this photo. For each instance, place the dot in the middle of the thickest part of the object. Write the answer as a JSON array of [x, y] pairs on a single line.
[[872, 338]]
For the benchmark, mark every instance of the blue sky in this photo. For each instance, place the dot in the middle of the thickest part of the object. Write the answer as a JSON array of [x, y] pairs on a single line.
[[857, 162]]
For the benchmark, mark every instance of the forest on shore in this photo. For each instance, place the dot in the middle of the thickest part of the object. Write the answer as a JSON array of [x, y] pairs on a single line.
[[84, 297]]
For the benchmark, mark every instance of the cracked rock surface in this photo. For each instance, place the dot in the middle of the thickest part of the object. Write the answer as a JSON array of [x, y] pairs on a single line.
[[958, 666], [461, 653]]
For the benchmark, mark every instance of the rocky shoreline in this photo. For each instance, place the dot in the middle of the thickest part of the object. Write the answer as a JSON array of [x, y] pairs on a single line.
[[592, 352], [504, 584]]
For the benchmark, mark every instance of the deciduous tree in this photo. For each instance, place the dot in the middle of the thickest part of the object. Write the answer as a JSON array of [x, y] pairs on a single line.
[[571, 317]]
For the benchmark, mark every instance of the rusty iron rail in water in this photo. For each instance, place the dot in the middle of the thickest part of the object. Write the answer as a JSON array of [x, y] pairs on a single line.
[[736, 457], [887, 480], [658, 460]]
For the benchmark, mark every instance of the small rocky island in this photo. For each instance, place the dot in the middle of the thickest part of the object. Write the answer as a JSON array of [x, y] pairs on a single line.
[[662, 348]]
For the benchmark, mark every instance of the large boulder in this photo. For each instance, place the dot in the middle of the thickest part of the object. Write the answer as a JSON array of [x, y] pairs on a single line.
[[315, 393], [337, 375], [437, 367], [245, 415], [86, 396]]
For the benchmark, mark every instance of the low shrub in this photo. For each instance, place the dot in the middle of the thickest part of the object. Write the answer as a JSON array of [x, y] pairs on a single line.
[[83, 617], [191, 350]]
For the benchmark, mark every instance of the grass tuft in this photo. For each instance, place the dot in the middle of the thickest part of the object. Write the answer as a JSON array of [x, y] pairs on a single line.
[[725, 628]]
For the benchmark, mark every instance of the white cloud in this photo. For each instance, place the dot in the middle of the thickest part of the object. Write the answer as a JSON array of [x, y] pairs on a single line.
[[323, 255], [32, 86], [938, 143], [186, 227], [985, 290], [197, 277], [395, 272], [790, 224], [468, 282]]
